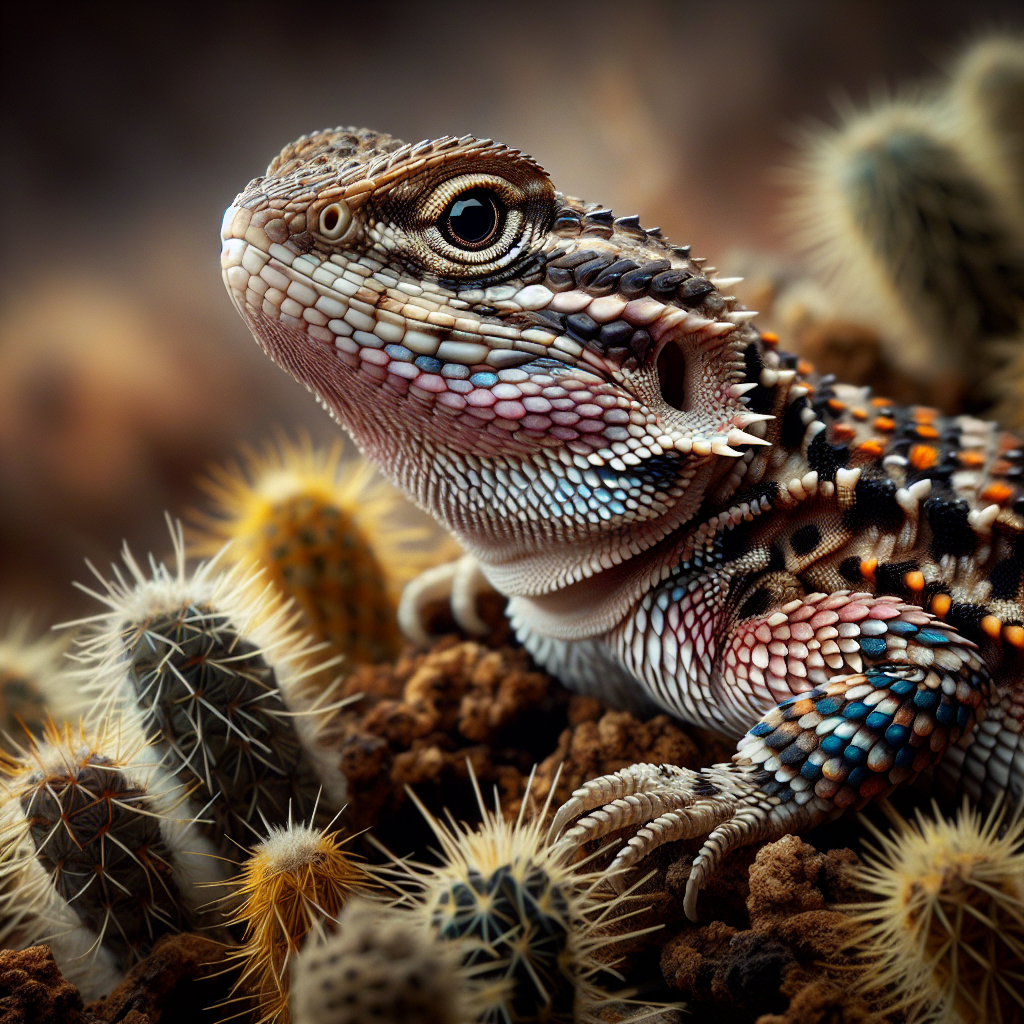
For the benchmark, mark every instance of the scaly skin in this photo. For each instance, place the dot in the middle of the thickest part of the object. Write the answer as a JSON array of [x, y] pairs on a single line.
[[680, 514]]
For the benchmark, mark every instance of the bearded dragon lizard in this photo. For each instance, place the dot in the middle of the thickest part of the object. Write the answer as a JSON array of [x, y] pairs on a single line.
[[680, 514]]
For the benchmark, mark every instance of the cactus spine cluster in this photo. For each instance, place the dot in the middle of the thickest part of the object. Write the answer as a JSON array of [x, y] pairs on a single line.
[[945, 937], [291, 889]]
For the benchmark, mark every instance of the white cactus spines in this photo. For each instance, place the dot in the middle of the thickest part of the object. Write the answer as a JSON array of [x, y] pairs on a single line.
[[95, 858], [215, 670]]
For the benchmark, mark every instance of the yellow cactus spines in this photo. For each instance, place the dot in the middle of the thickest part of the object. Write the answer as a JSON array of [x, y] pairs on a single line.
[[217, 672], [29, 683], [527, 925], [95, 858], [291, 888], [328, 533], [944, 941]]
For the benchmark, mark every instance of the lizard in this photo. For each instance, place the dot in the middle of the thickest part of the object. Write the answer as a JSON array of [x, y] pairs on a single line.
[[682, 516]]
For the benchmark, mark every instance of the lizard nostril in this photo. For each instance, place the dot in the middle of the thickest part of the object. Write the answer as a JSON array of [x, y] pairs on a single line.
[[672, 375], [334, 220]]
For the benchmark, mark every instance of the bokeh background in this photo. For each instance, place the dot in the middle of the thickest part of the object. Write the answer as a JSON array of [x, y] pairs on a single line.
[[126, 130]]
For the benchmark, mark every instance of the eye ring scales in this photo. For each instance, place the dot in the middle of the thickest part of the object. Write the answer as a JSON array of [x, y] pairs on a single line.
[[473, 219], [334, 220]]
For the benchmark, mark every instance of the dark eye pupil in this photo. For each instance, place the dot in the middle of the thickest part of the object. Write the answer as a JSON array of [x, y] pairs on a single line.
[[331, 220], [472, 219]]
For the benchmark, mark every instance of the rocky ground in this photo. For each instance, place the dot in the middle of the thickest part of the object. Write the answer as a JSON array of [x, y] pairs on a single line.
[[767, 948]]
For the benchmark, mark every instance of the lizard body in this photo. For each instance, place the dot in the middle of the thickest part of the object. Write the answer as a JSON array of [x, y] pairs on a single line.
[[680, 514]]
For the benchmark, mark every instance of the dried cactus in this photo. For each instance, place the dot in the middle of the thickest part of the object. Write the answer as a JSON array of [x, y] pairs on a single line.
[[292, 887], [328, 533], [215, 672], [944, 941], [96, 861]]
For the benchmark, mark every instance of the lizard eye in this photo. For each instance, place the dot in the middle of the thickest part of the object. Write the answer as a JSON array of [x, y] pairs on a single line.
[[334, 220], [472, 219]]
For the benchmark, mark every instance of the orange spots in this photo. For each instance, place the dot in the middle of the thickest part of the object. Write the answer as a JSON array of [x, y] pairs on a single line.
[[926, 430], [881, 403], [1001, 468], [971, 459], [804, 367], [941, 604], [1014, 635], [997, 492], [991, 626], [843, 432], [885, 423], [868, 567], [836, 406], [923, 413], [769, 337], [923, 456], [859, 414], [914, 581], [872, 447]]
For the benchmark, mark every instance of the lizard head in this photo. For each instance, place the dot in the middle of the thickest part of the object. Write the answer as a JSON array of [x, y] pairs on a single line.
[[562, 388]]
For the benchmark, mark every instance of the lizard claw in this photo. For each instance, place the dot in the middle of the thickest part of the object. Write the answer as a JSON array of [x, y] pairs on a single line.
[[722, 803], [460, 583]]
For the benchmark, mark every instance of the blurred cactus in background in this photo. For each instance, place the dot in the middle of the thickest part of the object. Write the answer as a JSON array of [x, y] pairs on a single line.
[[328, 533]]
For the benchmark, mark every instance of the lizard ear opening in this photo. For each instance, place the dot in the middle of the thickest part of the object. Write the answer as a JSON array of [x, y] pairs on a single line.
[[672, 375]]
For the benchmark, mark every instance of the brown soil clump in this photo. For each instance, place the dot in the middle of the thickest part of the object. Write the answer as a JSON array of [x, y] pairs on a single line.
[[180, 982], [786, 965], [33, 991]]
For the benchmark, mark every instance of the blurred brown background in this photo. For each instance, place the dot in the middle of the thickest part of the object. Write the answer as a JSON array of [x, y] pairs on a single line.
[[126, 130]]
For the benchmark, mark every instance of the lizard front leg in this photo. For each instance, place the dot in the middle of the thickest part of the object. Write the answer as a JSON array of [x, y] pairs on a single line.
[[847, 738]]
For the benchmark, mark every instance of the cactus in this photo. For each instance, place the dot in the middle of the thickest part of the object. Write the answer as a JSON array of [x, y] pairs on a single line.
[[292, 887], [30, 684], [327, 533], [95, 861], [944, 941], [986, 101], [914, 241], [215, 671], [384, 965], [527, 925]]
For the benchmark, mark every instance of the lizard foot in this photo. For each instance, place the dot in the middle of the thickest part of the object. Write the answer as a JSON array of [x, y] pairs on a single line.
[[459, 583], [812, 757], [722, 802]]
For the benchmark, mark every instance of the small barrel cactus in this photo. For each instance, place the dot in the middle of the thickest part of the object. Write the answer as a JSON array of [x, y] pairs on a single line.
[[96, 859], [944, 941], [527, 925]]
